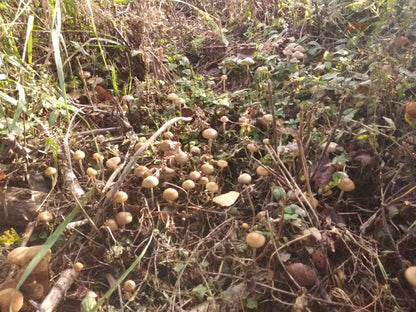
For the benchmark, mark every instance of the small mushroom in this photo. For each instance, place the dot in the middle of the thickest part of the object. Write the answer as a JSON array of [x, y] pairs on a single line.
[[113, 162], [194, 175], [262, 171], [170, 194], [78, 266], [222, 163], [255, 240], [150, 182], [207, 168], [211, 187], [123, 218], [120, 197], [244, 178], [111, 224], [129, 286], [50, 171], [209, 134], [188, 185], [10, 300], [79, 156], [346, 185], [410, 275]]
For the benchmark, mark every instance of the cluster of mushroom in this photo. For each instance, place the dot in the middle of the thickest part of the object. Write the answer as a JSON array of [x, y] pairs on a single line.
[[36, 285], [295, 53]]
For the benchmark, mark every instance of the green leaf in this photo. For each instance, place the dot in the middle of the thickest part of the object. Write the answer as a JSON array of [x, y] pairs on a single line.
[[199, 291], [89, 301], [251, 303]]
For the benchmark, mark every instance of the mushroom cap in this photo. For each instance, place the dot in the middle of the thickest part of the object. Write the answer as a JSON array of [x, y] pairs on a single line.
[[150, 182], [10, 300], [262, 171], [123, 218], [222, 163], [179, 101], [170, 194], [188, 185], [78, 266], [172, 96], [168, 135], [210, 133], [298, 55], [224, 77], [211, 187], [79, 155], [244, 178], [113, 162], [44, 216], [91, 172], [346, 185], [129, 286], [411, 109], [252, 147], [194, 175], [139, 171], [181, 157], [120, 197], [112, 224], [207, 168], [248, 61], [255, 240], [98, 156], [224, 119], [410, 275], [50, 171]]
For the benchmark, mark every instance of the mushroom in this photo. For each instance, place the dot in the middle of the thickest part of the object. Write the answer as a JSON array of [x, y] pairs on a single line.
[[50, 171], [172, 97], [346, 185], [262, 171], [211, 187], [120, 197], [170, 194], [111, 224], [44, 216], [255, 240], [92, 173], [222, 163], [252, 147], [223, 79], [113, 162], [99, 159], [188, 185], [139, 171], [244, 178], [123, 218], [23, 255], [79, 156], [168, 135], [195, 175], [180, 101], [10, 300], [181, 157], [224, 120], [210, 134], [78, 266], [207, 169], [129, 286], [150, 182], [410, 275]]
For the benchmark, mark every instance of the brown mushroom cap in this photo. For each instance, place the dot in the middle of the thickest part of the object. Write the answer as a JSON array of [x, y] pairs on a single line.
[[120, 197], [112, 224], [255, 240], [123, 218], [211, 187], [244, 178], [79, 155], [410, 275], [170, 194], [129, 286], [210, 134], [150, 182], [113, 162], [346, 185], [10, 300], [50, 171]]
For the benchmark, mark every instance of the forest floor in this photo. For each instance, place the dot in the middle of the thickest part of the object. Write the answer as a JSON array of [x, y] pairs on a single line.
[[208, 156]]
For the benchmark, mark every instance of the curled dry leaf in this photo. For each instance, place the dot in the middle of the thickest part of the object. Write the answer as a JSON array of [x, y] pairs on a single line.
[[303, 274], [227, 199]]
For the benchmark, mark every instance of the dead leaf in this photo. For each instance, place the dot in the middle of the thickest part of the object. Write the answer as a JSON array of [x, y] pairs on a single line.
[[227, 199], [303, 274]]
